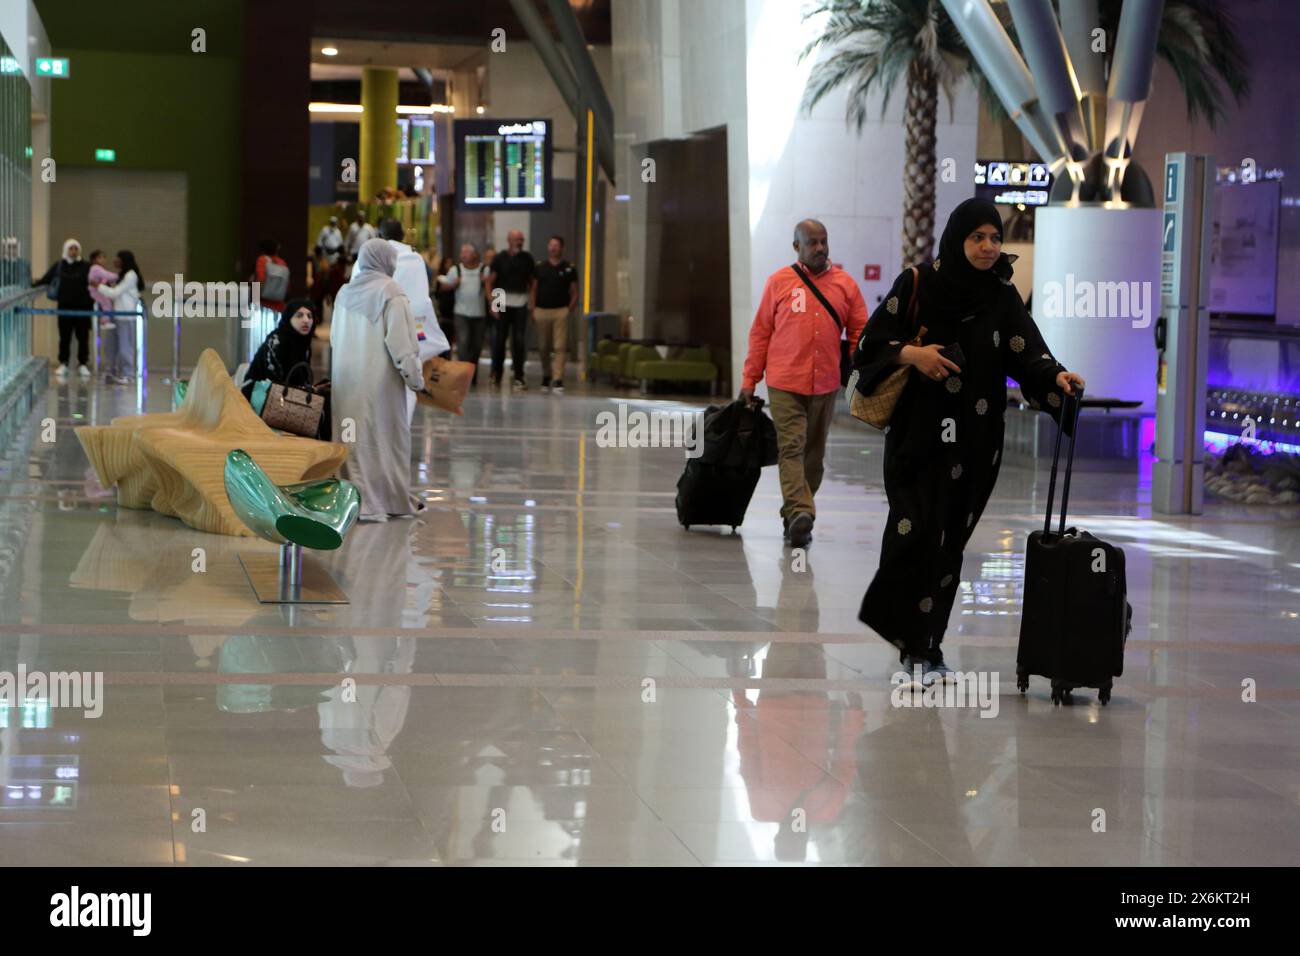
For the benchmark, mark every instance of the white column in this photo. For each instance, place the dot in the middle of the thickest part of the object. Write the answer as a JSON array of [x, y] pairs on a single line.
[[1097, 295]]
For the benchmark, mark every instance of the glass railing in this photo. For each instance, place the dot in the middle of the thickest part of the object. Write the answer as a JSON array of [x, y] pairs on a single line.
[[15, 333]]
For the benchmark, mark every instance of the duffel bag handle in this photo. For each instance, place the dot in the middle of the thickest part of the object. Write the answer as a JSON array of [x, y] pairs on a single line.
[[1077, 401]]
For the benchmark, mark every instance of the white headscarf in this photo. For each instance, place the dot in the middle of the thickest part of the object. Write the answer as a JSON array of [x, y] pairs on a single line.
[[68, 244], [372, 285]]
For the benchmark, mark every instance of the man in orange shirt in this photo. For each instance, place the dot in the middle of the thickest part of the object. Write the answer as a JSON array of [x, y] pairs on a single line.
[[795, 343]]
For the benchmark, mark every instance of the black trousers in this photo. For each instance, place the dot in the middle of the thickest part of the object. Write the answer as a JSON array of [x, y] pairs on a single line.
[[470, 330], [512, 323], [80, 325]]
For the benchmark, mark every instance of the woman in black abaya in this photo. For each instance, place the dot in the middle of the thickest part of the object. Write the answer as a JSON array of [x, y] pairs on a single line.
[[943, 445], [284, 357]]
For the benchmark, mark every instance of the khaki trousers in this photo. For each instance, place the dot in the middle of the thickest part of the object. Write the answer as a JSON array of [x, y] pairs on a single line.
[[802, 424], [552, 330]]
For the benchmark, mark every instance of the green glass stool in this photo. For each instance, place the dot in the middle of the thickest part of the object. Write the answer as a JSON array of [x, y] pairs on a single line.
[[307, 514]]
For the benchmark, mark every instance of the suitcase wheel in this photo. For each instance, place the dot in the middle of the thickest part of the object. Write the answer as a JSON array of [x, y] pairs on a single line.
[[1062, 693], [686, 526], [1103, 694], [1022, 680], [733, 529]]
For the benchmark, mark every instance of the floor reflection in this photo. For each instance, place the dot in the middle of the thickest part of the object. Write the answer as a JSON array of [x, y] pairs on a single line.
[[545, 668]]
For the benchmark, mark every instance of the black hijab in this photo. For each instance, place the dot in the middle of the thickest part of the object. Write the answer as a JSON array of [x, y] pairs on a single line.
[[290, 347], [958, 289]]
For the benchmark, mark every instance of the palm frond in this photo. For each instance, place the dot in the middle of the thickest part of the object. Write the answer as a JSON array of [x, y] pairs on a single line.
[[874, 43], [1199, 41]]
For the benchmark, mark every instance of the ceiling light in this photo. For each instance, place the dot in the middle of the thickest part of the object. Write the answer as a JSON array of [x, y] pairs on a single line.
[[478, 109], [329, 51]]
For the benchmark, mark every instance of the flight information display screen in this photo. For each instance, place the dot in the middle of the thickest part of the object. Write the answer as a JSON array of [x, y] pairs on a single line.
[[415, 142], [503, 164]]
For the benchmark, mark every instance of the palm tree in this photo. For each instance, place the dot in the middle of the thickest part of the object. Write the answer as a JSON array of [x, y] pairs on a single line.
[[876, 42]]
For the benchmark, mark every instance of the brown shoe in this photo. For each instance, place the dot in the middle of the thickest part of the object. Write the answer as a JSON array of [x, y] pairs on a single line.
[[801, 526]]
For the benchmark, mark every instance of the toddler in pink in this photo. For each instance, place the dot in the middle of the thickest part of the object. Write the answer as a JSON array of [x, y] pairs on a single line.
[[97, 275]]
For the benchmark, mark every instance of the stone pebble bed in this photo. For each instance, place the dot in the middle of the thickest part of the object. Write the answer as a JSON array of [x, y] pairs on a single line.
[[1244, 474]]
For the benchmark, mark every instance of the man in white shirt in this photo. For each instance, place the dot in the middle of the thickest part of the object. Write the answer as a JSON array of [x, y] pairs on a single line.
[[330, 240], [358, 233], [466, 277]]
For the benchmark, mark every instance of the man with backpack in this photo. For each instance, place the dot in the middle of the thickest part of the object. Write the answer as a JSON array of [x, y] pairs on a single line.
[[795, 343], [272, 274], [466, 278]]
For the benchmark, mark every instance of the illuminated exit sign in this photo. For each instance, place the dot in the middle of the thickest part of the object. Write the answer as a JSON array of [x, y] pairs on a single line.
[[106, 155], [52, 67]]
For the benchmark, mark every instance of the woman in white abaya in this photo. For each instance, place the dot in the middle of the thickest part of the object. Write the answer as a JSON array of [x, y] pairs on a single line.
[[374, 356]]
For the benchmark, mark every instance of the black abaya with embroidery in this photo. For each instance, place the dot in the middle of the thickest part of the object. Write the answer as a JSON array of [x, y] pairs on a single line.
[[943, 446]]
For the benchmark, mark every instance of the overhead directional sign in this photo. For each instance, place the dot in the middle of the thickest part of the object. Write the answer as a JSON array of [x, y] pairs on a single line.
[[53, 67]]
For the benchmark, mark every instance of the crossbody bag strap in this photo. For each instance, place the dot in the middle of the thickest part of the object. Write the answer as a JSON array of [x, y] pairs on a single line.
[[818, 292]]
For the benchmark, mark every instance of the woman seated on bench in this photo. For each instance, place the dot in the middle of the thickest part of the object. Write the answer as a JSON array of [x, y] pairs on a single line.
[[284, 358]]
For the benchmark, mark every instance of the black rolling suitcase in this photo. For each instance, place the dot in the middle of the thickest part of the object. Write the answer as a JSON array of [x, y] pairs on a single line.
[[1076, 617], [716, 487]]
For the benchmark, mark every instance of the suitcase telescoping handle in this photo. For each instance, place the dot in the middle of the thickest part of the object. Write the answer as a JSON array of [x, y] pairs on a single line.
[[1074, 402]]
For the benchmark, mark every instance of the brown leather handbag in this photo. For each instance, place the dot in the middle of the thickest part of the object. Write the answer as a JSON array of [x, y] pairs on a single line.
[[295, 410], [877, 408]]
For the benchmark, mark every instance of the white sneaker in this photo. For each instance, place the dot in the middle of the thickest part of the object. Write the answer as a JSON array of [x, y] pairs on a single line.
[[61, 373], [557, 388], [83, 372]]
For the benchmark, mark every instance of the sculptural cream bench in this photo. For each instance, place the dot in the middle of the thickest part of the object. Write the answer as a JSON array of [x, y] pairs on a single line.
[[174, 462]]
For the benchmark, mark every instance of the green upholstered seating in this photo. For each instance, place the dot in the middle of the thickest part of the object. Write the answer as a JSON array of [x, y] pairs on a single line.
[[692, 364], [637, 357], [607, 358]]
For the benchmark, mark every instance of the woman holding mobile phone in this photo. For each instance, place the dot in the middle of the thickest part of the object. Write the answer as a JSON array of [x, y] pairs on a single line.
[[943, 446]]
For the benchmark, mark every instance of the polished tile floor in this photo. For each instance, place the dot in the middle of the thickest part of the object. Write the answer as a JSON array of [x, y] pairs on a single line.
[[549, 670]]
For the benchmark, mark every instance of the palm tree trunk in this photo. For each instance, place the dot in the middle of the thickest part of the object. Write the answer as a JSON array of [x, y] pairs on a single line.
[[919, 164]]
